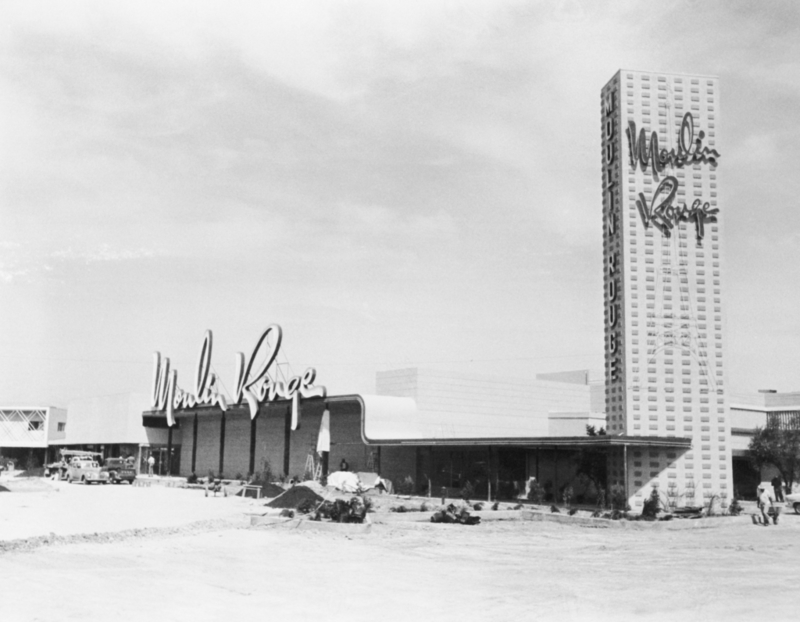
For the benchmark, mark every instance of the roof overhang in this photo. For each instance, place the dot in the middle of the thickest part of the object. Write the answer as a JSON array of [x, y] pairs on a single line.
[[388, 421]]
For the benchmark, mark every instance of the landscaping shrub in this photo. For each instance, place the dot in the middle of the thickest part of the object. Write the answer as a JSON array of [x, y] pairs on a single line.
[[619, 500], [406, 487], [735, 508], [467, 492], [652, 506], [566, 495]]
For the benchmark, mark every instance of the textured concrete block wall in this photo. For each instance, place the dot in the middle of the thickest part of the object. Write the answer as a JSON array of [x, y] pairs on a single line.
[[237, 445], [270, 437], [208, 430]]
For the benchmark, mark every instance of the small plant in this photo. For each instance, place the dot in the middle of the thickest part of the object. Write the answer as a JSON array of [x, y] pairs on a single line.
[[406, 487], [601, 498], [192, 479], [467, 492], [496, 505], [554, 510], [239, 476], [566, 495], [652, 506], [597, 514], [711, 501], [573, 511], [477, 507], [735, 507], [672, 495], [211, 476], [536, 493], [619, 500]]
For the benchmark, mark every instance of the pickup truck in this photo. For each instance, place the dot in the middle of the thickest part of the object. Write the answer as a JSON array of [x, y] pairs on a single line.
[[86, 471], [119, 470]]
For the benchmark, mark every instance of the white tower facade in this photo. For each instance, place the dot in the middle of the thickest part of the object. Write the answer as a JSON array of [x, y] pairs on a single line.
[[662, 234]]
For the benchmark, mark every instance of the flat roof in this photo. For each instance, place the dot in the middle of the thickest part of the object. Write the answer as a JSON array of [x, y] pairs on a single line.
[[548, 441], [397, 409]]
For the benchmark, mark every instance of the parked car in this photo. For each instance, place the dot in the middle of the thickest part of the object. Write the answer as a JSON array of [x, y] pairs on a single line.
[[119, 470], [793, 500], [86, 471], [60, 468]]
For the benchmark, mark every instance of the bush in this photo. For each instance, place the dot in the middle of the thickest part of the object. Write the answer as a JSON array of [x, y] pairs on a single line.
[[652, 506], [536, 493], [619, 500], [192, 479], [406, 487], [601, 497], [566, 495], [467, 492], [735, 508]]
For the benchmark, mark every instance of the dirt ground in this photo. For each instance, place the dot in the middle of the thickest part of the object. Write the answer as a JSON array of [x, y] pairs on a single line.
[[223, 569]]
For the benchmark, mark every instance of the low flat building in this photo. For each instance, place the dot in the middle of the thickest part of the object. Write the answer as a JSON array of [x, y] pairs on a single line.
[[26, 432], [112, 425]]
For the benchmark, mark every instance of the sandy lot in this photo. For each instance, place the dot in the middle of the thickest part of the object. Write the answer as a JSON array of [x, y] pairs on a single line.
[[398, 571]]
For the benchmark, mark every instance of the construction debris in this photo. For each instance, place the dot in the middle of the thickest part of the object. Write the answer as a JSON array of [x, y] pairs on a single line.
[[296, 497], [452, 514]]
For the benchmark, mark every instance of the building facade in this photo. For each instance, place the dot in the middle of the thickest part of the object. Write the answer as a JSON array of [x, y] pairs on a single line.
[[662, 237], [26, 431]]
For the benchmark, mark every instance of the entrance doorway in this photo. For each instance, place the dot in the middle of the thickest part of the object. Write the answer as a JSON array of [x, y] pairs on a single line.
[[164, 464]]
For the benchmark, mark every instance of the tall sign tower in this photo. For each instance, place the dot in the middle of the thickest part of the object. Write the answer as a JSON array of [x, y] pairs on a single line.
[[662, 235]]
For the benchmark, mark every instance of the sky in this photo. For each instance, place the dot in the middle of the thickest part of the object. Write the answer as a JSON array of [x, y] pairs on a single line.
[[396, 184]]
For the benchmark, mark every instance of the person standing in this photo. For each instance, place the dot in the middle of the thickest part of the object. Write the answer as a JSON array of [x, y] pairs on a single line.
[[150, 464], [764, 503], [777, 486]]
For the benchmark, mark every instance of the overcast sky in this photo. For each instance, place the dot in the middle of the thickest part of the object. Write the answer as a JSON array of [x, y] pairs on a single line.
[[394, 183]]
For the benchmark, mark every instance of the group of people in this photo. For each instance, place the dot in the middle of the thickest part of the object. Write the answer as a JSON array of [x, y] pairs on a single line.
[[769, 497]]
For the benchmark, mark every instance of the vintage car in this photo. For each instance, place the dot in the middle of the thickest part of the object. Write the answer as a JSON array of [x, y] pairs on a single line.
[[86, 471], [119, 470], [793, 501], [59, 469]]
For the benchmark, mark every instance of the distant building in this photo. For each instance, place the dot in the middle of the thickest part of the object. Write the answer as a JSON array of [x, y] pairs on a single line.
[[750, 411], [26, 432], [112, 426]]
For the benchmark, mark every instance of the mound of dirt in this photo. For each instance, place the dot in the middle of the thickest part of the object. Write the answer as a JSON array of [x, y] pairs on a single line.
[[295, 497], [271, 490]]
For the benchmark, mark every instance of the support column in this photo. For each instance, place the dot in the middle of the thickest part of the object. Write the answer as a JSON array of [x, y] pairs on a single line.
[[287, 441], [221, 445], [194, 444], [169, 451], [252, 467], [625, 471]]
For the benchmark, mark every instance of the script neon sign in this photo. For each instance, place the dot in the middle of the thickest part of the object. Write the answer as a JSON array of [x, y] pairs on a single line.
[[690, 149], [253, 383], [660, 211]]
